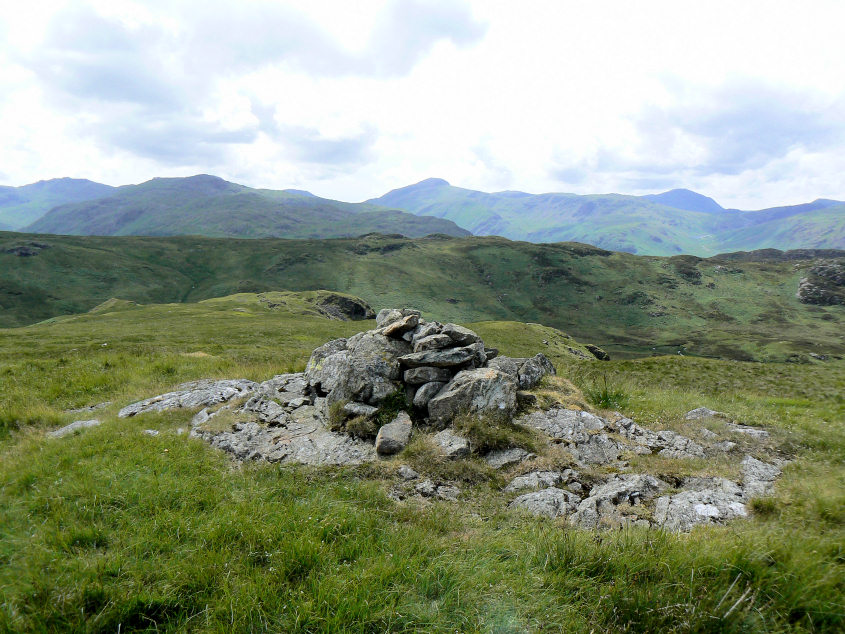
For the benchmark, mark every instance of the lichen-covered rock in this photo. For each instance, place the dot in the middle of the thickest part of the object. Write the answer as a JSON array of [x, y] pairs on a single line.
[[481, 391], [551, 502], [394, 436], [758, 478], [706, 501], [460, 335], [533, 370], [601, 508], [451, 444], [418, 376], [447, 358], [192, 395], [540, 480], [507, 457], [566, 424]]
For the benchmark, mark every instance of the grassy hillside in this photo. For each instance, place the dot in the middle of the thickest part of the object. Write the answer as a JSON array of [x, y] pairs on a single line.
[[210, 206], [114, 530], [671, 223], [20, 206], [629, 304]]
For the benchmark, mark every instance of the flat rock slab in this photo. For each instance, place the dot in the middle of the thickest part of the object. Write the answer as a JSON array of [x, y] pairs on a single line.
[[550, 502], [192, 395], [76, 425], [507, 457], [540, 480]]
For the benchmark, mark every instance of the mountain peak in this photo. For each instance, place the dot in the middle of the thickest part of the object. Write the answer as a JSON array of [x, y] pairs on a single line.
[[686, 199], [432, 182]]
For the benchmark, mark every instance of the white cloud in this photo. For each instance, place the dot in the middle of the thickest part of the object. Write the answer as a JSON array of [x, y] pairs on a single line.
[[742, 101]]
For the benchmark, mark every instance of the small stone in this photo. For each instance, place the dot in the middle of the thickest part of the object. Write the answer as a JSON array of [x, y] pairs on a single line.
[[433, 342], [758, 477], [151, 432], [393, 437], [401, 326], [354, 408], [451, 445], [407, 473], [753, 432], [491, 353]]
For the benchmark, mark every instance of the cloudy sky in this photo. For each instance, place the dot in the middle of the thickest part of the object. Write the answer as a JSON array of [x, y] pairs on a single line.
[[743, 101]]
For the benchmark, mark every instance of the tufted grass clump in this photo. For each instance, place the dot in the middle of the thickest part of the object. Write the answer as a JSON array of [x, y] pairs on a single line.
[[606, 396], [492, 432]]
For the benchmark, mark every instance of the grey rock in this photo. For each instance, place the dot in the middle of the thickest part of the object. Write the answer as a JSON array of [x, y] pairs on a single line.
[[753, 432], [533, 370], [387, 316], [507, 457], [723, 446], [314, 368], [426, 392], [394, 437], [74, 426], [426, 330], [758, 477], [539, 480], [353, 408], [401, 326], [709, 501], [508, 365], [407, 473], [90, 408], [551, 502], [597, 449], [266, 410], [451, 444], [429, 489], [600, 509], [433, 342], [284, 386], [566, 424], [678, 446], [303, 439], [191, 395], [460, 335], [700, 413], [449, 358], [480, 391], [707, 434], [526, 400], [491, 353], [418, 376], [151, 432]]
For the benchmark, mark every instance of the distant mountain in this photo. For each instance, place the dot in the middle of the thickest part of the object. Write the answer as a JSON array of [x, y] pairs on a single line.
[[20, 206], [686, 199], [674, 222], [210, 206]]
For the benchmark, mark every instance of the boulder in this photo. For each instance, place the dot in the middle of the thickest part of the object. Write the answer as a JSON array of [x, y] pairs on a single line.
[[481, 391], [507, 457], [550, 502], [451, 445], [387, 316], [597, 352], [433, 342], [460, 335], [426, 392], [449, 358], [394, 436], [508, 365], [401, 326], [533, 370], [418, 376]]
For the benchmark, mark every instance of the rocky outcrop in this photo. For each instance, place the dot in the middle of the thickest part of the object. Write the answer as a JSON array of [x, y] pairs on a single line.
[[551, 502], [191, 395], [75, 426], [824, 284]]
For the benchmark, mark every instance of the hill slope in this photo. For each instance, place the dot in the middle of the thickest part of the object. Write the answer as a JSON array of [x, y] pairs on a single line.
[[211, 206], [20, 206], [675, 222], [631, 304]]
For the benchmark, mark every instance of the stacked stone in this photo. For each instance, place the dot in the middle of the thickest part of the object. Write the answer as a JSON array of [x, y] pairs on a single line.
[[444, 369]]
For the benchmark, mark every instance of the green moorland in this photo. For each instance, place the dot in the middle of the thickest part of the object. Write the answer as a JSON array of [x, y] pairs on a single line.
[[742, 308], [114, 530]]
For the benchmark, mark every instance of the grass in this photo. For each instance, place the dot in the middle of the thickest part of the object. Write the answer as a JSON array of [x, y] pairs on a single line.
[[112, 529], [629, 305], [606, 396]]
